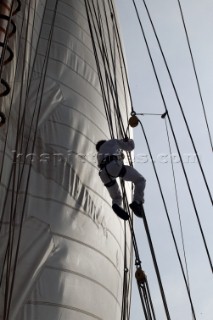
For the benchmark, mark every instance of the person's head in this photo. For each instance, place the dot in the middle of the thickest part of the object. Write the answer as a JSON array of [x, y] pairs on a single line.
[[99, 144]]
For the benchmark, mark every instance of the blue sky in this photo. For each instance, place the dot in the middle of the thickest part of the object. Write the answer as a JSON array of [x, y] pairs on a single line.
[[146, 98]]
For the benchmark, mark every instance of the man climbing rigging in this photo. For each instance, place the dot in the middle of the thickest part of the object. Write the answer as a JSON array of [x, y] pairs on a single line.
[[110, 161]]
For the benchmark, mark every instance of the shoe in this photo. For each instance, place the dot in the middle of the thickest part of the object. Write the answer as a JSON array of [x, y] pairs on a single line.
[[120, 212], [137, 208]]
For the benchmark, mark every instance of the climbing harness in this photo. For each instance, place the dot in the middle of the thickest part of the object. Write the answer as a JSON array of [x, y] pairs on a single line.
[[107, 160], [110, 184]]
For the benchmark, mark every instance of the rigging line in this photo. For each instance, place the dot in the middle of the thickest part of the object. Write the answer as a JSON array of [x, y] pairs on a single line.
[[144, 293], [148, 302], [130, 280], [149, 297], [105, 102], [119, 126], [127, 274], [12, 96], [32, 37], [125, 291], [119, 48], [28, 177], [122, 54], [10, 108], [22, 93], [105, 57], [18, 128], [104, 54], [123, 69], [20, 172], [124, 305], [126, 281], [29, 78], [137, 257], [196, 75], [18, 132], [156, 268], [149, 114], [142, 301], [27, 90], [141, 277], [119, 117], [37, 45], [177, 202], [6, 38], [11, 227], [146, 298], [169, 221], [170, 123], [192, 198], [10, 248], [174, 88], [102, 45]]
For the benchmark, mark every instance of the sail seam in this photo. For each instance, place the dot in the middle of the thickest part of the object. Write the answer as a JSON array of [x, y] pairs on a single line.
[[85, 116], [65, 30], [85, 277], [79, 13], [64, 306], [74, 21], [88, 246], [77, 73]]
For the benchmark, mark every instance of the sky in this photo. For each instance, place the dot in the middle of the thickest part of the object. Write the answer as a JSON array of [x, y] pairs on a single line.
[[166, 17]]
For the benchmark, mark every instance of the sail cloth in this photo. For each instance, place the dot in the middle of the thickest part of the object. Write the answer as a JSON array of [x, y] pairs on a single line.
[[36, 247], [72, 264]]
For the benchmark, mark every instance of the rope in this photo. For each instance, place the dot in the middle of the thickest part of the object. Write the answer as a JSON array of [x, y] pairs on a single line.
[[143, 287], [9, 294], [177, 202], [156, 268], [170, 123], [196, 75], [113, 87], [108, 82], [173, 85], [169, 221]]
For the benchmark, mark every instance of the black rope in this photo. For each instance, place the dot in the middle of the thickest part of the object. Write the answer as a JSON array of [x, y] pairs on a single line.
[[6, 47], [174, 88], [122, 54], [177, 203], [10, 110], [156, 268], [103, 40], [102, 44], [144, 293], [170, 123], [100, 36], [28, 177], [169, 221], [105, 101], [191, 194], [196, 75]]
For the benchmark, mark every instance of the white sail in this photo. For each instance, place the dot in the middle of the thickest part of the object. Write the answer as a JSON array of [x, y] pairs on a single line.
[[55, 212]]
